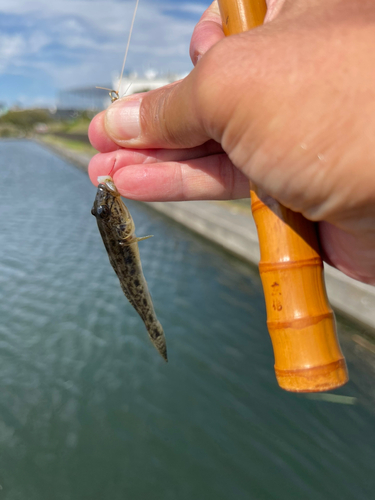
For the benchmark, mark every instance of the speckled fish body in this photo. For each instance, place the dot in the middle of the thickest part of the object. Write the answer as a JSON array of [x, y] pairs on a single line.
[[117, 230]]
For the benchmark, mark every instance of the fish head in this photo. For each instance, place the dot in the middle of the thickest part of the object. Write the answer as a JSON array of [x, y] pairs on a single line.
[[108, 208]]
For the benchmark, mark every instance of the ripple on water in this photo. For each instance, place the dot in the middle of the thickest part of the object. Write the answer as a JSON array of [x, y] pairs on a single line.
[[87, 407]]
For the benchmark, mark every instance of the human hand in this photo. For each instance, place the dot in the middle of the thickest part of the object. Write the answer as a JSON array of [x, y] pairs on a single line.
[[289, 105]]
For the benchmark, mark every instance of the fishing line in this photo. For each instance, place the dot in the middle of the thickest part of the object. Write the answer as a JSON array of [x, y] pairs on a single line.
[[127, 45], [114, 94]]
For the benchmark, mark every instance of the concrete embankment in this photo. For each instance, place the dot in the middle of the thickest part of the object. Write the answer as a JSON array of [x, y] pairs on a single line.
[[236, 233]]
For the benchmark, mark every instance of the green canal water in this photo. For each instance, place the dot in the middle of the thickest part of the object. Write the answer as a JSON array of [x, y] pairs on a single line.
[[89, 410]]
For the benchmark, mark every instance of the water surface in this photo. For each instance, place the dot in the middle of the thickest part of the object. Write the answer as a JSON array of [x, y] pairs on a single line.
[[89, 410]]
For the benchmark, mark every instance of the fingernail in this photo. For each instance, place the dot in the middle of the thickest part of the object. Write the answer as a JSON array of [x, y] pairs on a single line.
[[122, 119]]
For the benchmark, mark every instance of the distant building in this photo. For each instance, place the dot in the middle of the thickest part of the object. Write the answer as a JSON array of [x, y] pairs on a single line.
[[95, 99], [132, 83], [89, 98]]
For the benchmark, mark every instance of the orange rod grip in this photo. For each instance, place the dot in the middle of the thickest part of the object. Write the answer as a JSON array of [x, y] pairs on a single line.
[[300, 320]]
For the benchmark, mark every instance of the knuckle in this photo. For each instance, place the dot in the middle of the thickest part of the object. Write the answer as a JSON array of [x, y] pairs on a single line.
[[216, 78], [155, 120]]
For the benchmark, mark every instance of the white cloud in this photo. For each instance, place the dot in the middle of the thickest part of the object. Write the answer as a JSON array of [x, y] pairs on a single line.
[[37, 41], [17, 47], [79, 42], [11, 46], [194, 8]]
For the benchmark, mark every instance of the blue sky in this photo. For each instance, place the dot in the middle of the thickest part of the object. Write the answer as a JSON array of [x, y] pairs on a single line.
[[51, 45]]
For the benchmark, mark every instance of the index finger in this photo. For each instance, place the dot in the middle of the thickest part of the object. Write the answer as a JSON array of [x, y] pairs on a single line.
[[206, 33], [209, 30]]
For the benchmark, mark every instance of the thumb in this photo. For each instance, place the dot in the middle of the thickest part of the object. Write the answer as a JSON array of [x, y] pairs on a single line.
[[175, 116], [163, 118]]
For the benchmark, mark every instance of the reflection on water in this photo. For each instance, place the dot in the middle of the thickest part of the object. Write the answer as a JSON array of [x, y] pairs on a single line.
[[89, 410]]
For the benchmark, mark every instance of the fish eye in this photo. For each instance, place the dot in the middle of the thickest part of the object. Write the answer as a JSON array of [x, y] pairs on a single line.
[[103, 211]]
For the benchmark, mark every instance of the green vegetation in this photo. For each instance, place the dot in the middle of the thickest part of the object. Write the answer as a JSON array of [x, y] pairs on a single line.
[[78, 124], [22, 121], [69, 144], [8, 131]]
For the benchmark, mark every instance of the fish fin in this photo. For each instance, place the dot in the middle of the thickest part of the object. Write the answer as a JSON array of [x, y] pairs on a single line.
[[142, 238], [134, 240]]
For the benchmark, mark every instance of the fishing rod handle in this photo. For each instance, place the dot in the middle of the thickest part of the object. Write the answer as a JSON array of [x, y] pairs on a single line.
[[300, 320]]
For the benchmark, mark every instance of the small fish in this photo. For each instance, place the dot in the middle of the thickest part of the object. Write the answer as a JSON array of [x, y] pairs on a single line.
[[117, 228]]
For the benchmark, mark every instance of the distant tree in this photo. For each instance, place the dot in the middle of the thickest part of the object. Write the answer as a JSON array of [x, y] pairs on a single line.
[[25, 120]]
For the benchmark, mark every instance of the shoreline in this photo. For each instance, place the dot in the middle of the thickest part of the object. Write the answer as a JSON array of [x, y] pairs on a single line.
[[237, 234]]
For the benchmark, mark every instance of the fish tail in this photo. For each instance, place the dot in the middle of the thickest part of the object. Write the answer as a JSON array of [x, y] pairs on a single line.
[[156, 333]]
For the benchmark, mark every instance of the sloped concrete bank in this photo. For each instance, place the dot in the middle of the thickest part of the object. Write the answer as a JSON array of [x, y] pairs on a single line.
[[237, 233]]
